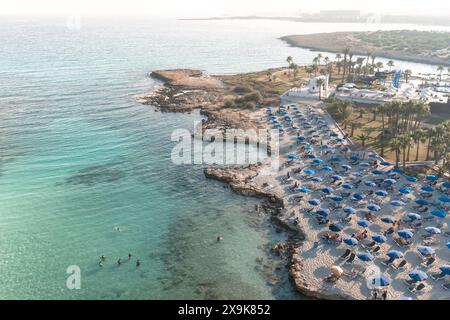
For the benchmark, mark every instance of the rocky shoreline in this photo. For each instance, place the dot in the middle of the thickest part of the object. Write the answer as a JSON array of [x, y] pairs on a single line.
[[185, 90]]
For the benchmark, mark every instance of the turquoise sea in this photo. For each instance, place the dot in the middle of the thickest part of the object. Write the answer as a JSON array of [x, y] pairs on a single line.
[[79, 158]]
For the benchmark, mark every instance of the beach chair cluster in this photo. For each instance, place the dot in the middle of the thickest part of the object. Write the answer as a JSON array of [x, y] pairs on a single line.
[[376, 212]]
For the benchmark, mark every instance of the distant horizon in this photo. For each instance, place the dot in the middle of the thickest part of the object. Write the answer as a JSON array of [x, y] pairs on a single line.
[[204, 8]]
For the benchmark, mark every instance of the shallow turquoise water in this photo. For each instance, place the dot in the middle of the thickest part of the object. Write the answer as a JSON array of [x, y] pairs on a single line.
[[79, 157]]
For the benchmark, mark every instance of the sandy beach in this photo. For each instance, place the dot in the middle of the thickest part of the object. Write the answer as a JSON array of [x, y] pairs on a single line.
[[360, 228]]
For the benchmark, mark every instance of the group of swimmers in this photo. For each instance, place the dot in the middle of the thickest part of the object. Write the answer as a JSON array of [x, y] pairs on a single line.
[[119, 261]]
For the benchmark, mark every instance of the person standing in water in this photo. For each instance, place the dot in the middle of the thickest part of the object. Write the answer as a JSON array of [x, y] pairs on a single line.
[[129, 255], [119, 262], [138, 263]]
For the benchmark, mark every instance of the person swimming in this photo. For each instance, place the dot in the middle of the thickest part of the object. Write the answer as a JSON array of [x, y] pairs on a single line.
[[119, 261], [129, 255], [102, 258], [219, 238], [138, 263]]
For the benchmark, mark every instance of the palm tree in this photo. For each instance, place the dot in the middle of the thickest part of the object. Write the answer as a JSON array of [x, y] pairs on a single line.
[[373, 59], [326, 60], [338, 57], [346, 53], [390, 65], [369, 55], [363, 137], [320, 83], [396, 145], [430, 134], [405, 143], [269, 75], [296, 69], [407, 74], [316, 61], [440, 69], [418, 137], [315, 69], [319, 58], [289, 60], [379, 65]]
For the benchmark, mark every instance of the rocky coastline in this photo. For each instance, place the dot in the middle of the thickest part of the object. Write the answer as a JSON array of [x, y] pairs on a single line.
[[185, 90]]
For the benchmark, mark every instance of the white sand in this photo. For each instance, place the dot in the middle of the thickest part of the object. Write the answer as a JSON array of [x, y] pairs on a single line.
[[312, 265]]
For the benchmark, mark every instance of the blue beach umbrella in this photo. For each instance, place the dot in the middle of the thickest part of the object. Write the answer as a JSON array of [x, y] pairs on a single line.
[[333, 134], [336, 178], [301, 138], [327, 190], [292, 157], [327, 168], [406, 234], [347, 186], [414, 216], [350, 210], [390, 181], [336, 227], [317, 179], [370, 184], [364, 164], [354, 158], [346, 167], [446, 185], [374, 207], [389, 219], [432, 178], [311, 156], [357, 174], [445, 199], [386, 163], [397, 203], [365, 256], [395, 254], [337, 199], [279, 126], [381, 193], [323, 212], [377, 172], [317, 161], [305, 190], [433, 230], [379, 238], [422, 202], [314, 202], [351, 242], [336, 159], [358, 197], [309, 148], [427, 188], [380, 281], [340, 140], [363, 223], [445, 269], [439, 213], [427, 251], [448, 244], [309, 172], [418, 275], [405, 190], [412, 179]]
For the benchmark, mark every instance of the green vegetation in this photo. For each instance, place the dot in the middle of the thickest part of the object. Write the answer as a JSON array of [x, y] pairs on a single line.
[[415, 42], [395, 130]]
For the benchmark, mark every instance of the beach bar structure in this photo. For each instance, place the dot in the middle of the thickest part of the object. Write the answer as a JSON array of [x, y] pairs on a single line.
[[317, 87]]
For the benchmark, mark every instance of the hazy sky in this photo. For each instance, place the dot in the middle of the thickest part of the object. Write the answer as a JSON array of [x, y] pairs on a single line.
[[203, 8]]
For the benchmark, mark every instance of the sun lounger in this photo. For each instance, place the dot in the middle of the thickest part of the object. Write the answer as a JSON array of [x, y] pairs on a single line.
[[428, 263], [438, 276], [332, 279], [417, 289], [400, 266], [351, 259], [376, 250], [446, 286], [346, 254], [370, 245], [388, 262]]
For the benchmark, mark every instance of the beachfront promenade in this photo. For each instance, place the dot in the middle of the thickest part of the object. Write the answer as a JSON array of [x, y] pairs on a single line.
[[371, 231]]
